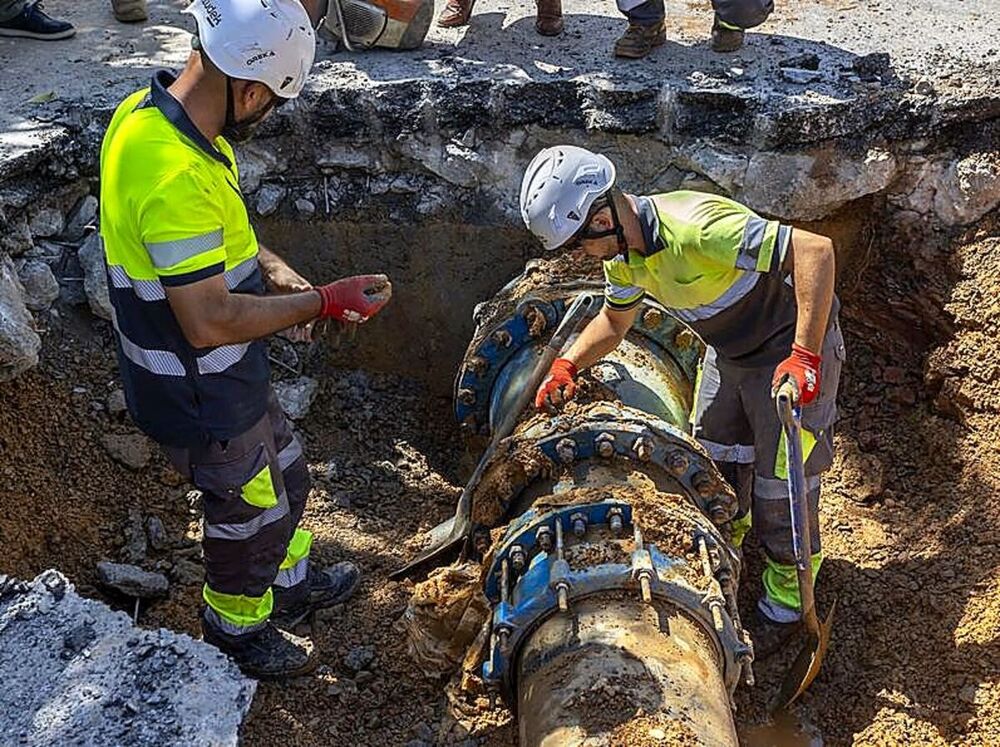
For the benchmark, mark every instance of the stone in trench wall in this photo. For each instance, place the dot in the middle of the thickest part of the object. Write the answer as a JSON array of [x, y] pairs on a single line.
[[95, 277], [76, 672], [810, 185], [953, 190], [19, 343], [40, 286]]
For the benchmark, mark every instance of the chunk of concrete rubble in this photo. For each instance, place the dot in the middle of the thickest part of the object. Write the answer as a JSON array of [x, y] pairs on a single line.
[[269, 199], [40, 286], [76, 672], [83, 214], [296, 396], [95, 276], [131, 580], [15, 239], [19, 343], [129, 449], [46, 222], [116, 403]]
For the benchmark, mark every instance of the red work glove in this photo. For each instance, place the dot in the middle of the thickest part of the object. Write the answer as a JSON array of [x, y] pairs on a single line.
[[802, 369], [558, 386], [354, 299]]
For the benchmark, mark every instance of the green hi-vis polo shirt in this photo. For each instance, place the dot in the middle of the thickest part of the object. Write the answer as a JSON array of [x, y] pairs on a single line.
[[172, 214], [717, 266]]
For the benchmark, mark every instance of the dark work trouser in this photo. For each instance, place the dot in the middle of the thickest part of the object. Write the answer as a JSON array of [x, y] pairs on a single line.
[[735, 420], [10, 8], [254, 490], [741, 14]]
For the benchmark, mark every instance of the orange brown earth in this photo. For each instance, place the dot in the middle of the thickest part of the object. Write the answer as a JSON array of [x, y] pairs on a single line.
[[911, 522]]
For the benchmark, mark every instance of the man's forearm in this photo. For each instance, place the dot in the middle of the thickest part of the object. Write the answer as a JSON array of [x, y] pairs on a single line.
[[814, 271], [598, 338]]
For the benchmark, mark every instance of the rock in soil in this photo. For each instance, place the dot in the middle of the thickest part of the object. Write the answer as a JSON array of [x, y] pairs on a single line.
[[40, 286], [95, 277], [19, 343], [131, 580], [75, 672], [130, 449], [296, 396]]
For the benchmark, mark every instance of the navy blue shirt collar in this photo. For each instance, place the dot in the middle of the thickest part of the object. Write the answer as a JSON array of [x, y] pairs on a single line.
[[650, 224], [171, 109]]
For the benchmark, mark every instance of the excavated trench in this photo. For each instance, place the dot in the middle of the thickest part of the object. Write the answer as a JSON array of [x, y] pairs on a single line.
[[911, 510]]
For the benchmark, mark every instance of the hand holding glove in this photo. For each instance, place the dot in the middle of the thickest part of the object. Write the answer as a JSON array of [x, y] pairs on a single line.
[[802, 369], [354, 299], [558, 386]]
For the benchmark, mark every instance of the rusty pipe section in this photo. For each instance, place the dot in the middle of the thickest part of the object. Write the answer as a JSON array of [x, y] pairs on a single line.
[[603, 533]]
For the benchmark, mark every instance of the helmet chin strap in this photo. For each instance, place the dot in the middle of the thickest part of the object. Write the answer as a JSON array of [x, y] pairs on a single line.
[[616, 230]]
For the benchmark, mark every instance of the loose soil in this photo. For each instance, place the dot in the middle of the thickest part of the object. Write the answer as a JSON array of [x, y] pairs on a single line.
[[915, 566]]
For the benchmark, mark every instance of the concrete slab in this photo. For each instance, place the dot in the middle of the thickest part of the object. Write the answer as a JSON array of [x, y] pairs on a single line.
[[48, 85], [76, 672]]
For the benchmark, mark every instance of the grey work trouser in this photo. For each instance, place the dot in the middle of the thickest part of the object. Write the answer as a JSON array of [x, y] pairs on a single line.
[[735, 420], [254, 489], [10, 8], [744, 14]]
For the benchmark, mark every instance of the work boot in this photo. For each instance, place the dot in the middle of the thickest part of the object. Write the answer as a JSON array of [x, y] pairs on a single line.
[[456, 13], [33, 23], [130, 11], [770, 636], [326, 588], [725, 38], [638, 41], [549, 20], [265, 654]]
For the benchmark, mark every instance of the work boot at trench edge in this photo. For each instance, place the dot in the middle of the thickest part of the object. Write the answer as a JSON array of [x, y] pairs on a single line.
[[724, 38], [265, 654], [549, 19], [638, 41], [456, 13], [129, 11]]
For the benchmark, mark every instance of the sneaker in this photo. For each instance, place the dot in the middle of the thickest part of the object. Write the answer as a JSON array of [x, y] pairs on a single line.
[[638, 41], [327, 587], [130, 11], [32, 23], [725, 39], [268, 653]]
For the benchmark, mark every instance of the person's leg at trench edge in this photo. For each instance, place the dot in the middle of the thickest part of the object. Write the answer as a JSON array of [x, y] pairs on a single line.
[[645, 30], [24, 19]]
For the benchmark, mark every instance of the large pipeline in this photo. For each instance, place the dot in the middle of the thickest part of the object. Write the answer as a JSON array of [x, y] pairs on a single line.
[[603, 535]]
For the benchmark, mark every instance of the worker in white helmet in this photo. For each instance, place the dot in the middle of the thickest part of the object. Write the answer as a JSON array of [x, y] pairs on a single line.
[[194, 294], [761, 296]]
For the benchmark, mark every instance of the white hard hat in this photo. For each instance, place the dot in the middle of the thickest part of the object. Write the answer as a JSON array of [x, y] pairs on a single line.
[[559, 187], [268, 41]]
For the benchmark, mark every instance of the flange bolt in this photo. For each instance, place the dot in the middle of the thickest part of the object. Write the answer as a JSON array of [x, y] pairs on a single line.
[[579, 522], [517, 558], [605, 445], [615, 523], [566, 450]]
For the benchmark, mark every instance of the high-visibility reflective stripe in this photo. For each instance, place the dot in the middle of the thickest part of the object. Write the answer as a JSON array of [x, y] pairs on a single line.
[[781, 589], [773, 489], [749, 255], [222, 358], [169, 253], [246, 530], [220, 623], [161, 362], [746, 283], [734, 453], [152, 290], [290, 453], [146, 290], [777, 612], [287, 577], [240, 272]]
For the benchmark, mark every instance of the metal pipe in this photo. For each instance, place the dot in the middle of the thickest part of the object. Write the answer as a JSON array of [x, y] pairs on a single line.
[[616, 630]]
